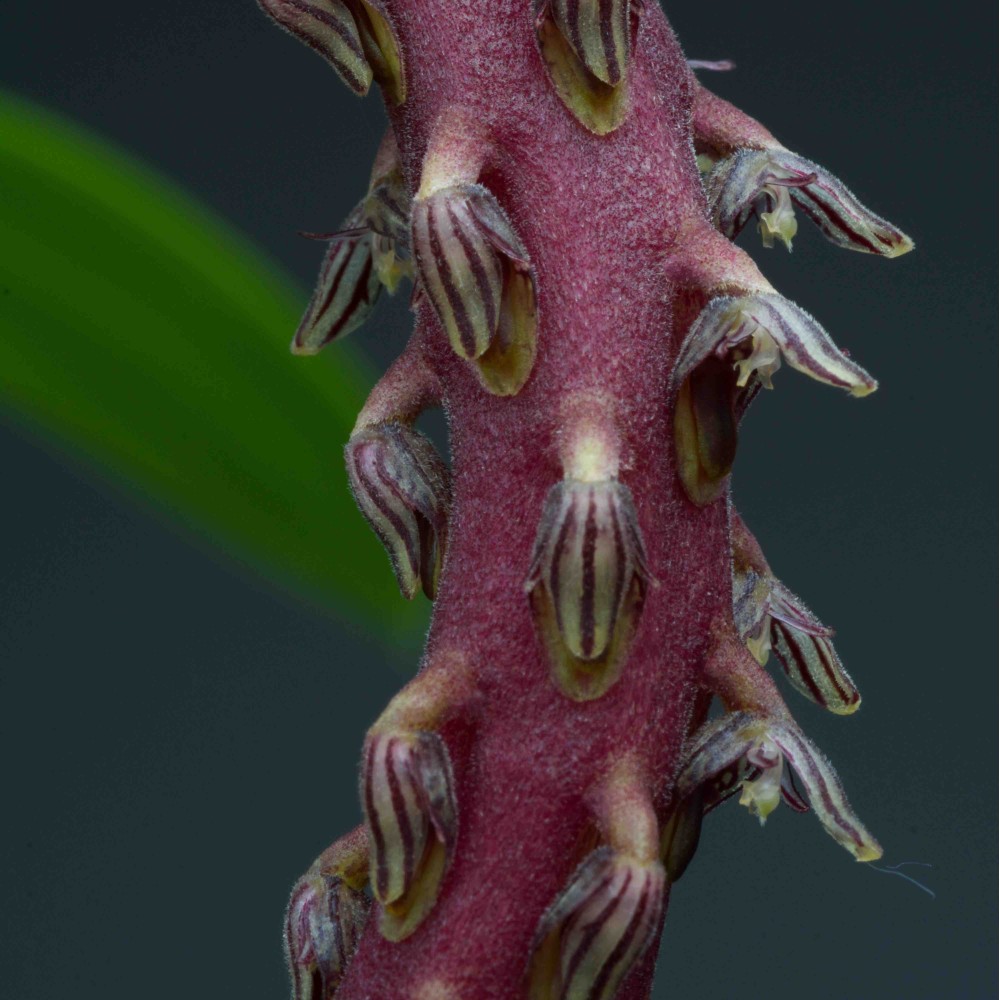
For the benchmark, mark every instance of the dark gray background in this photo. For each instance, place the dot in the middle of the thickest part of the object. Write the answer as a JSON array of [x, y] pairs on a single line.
[[179, 740]]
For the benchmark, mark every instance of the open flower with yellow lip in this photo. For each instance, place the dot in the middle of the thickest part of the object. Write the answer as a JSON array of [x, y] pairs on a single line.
[[771, 183], [756, 750]]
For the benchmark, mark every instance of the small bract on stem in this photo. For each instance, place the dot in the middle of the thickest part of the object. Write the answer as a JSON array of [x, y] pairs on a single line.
[[595, 340]]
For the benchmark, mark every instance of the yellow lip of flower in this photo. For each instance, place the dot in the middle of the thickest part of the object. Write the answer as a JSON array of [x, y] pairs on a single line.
[[780, 222]]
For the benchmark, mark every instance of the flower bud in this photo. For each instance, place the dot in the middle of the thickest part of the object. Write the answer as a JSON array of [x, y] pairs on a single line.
[[598, 32], [588, 578], [322, 926], [595, 931], [327, 27], [586, 46], [346, 291], [403, 489], [477, 274], [409, 804]]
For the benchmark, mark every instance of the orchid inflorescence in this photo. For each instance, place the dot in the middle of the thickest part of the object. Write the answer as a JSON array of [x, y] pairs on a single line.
[[563, 194]]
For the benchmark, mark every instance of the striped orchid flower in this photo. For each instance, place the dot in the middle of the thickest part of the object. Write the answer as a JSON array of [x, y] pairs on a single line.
[[757, 750], [769, 183], [406, 792], [322, 926], [588, 577], [403, 488], [604, 920], [353, 36], [770, 618], [733, 349], [756, 331], [369, 253], [347, 289], [586, 46], [478, 277]]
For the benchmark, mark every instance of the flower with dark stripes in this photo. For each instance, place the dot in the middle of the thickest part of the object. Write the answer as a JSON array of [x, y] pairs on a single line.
[[732, 349], [755, 750], [756, 771], [591, 936], [586, 46], [755, 332], [403, 489], [588, 573], [346, 291], [769, 617], [768, 183], [351, 35], [477, 274], [370, 252], [408, 799], [323, 923]]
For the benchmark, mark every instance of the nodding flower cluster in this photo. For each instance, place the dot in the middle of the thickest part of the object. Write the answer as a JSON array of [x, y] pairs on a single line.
[[564, 194]]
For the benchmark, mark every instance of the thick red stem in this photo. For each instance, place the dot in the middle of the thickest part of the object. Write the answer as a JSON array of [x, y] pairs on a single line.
[[602, 217]]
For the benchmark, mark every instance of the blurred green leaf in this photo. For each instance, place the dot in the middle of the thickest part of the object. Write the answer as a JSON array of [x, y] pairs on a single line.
[[138, 329]]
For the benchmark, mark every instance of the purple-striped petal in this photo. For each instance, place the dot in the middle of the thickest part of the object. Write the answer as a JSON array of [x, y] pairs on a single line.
[[786, 607], [824, 791], [790, 793], [408, 799], [765, 183], [403, 489], [346, 291], [495, 226], [380, 47], [813, 668], [590, 937], [599, 32], [768, 616], [323, 923], [750, 330]]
